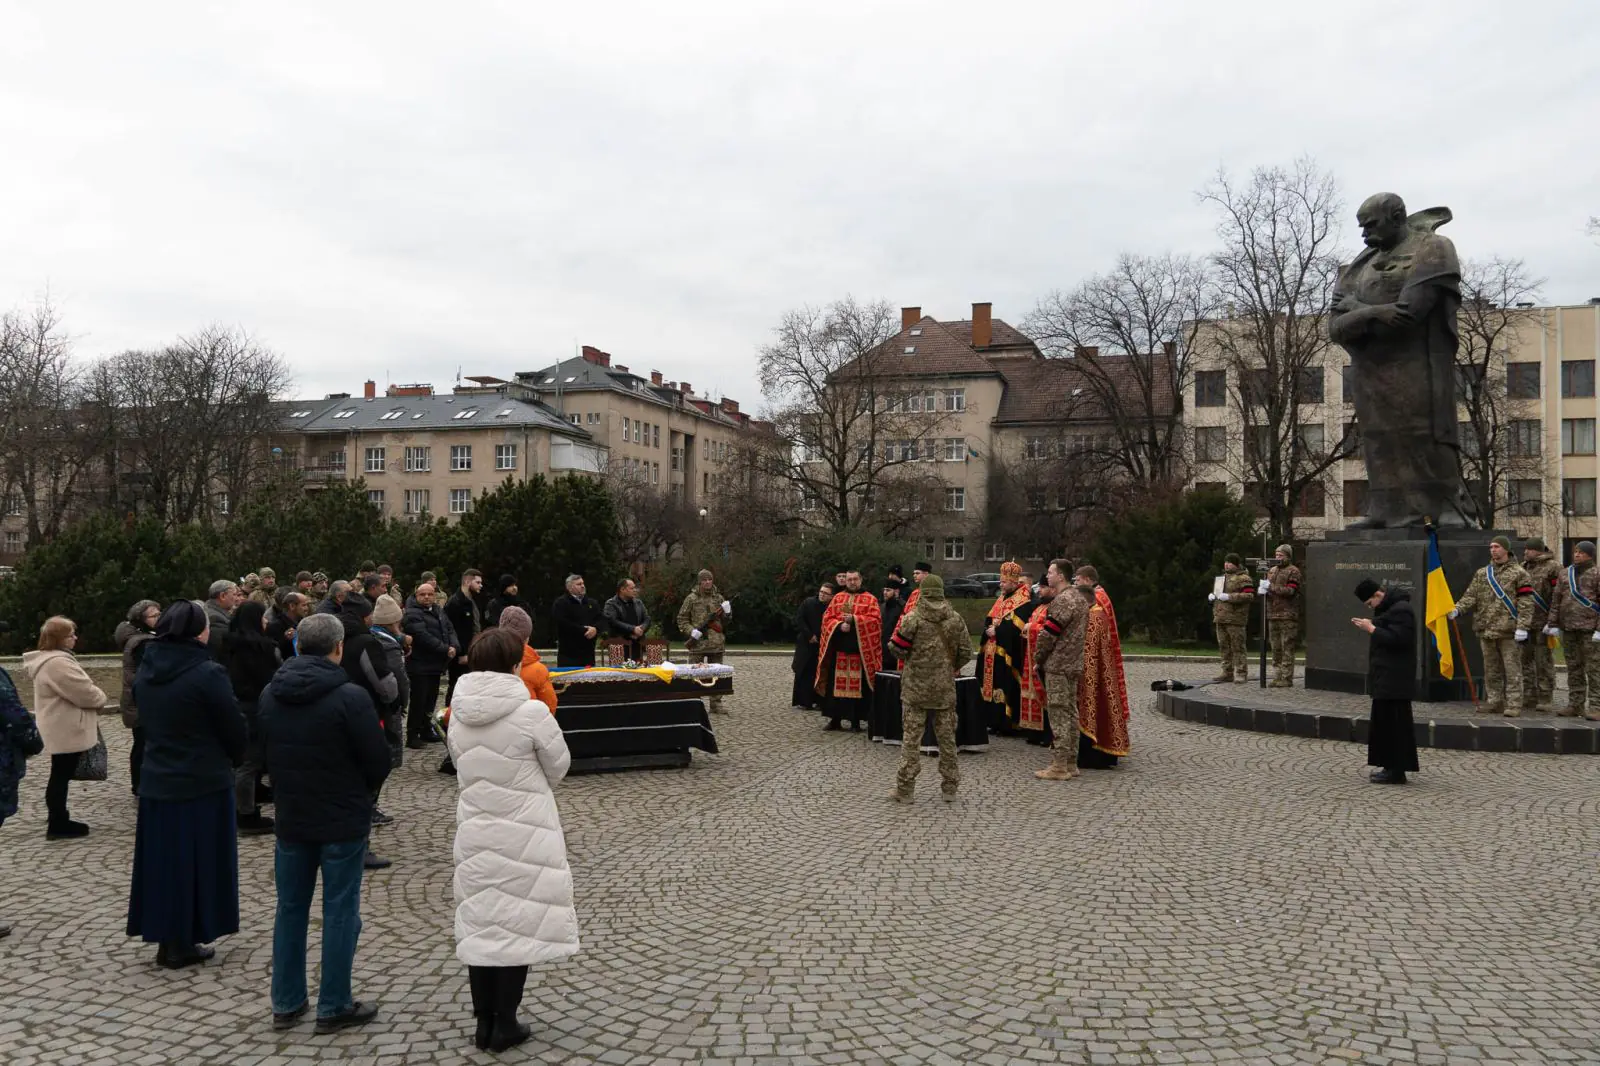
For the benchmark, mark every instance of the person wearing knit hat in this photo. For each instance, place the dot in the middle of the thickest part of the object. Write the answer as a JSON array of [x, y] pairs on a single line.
[[387, 615], [1538, 653], [535, 675], [1500, 600], [1230, 611], [1391, 672], [265, 592], [1575, 617], [1234, 558], [1281, 588]]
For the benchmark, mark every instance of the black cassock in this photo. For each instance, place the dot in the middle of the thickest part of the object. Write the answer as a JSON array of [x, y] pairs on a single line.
[[808, 635]]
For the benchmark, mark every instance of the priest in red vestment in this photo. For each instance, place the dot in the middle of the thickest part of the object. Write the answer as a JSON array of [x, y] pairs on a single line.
[[1030, 714], [1102, 687], [1003, 636], [851, 654]]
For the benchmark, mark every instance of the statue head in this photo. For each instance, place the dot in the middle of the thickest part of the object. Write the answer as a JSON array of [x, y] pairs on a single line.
[[1382, 219]]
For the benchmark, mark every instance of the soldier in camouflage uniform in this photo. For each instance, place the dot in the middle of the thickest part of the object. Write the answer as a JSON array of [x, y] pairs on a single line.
[[934, 643], [1500, 628], [701, 619], [1230, 610], [1281, 587], [1058, 659], [1538, 658], [266, 590], [1574, 616]]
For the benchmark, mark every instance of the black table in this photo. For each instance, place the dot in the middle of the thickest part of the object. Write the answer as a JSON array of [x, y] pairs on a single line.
[[972, 715], [632, 733]]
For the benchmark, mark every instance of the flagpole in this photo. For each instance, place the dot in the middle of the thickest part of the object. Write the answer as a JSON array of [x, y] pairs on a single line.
[[1465, 666]]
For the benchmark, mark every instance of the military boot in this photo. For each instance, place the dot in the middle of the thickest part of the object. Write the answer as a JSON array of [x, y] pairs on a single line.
[[1061, 768]]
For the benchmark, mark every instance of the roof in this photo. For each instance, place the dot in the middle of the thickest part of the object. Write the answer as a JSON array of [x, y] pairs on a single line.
[[581, 375], [400, 413], [1041, 390], [930, 347], [1001, 334]]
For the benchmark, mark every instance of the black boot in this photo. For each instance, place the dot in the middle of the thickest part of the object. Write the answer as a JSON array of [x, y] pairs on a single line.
[[507, 1032], [1388, 777], [480, 979], [833, 726]]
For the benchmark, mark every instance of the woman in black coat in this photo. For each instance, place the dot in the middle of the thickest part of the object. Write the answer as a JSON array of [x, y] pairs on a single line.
[[1391, 669], [251, 657]]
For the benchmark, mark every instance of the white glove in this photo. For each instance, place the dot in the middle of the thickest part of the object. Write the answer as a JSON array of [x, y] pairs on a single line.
[[1522, 636], [1551, 631], [1224, 596], [1212, 596], [1262, 587], [694, 634], [1596, 637], [727, 608], [1453, 613]]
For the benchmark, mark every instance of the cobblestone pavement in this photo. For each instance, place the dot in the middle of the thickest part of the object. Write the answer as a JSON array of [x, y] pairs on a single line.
[[1222, 897]]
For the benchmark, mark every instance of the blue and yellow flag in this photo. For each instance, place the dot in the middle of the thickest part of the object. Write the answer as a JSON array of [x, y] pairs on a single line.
[[1440, 604]]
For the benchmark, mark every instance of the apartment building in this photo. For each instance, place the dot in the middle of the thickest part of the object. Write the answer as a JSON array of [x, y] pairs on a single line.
[[1548, 422], [422, 453]]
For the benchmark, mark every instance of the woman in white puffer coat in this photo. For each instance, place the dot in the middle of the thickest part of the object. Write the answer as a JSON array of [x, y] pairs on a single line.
[[513, 889]]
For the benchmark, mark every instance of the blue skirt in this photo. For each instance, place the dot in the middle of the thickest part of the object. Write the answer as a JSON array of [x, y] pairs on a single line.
[[185, 871]]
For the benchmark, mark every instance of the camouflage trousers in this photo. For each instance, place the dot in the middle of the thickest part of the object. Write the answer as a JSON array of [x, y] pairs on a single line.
[[1230, 639], [913, 720], [710, 657], [1583, 670], [1538, 671], [1061, 706], [1284, 633], [1502, 675]]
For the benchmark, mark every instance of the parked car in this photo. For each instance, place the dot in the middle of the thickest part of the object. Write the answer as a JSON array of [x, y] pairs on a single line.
[[988, 581], [961, 588]]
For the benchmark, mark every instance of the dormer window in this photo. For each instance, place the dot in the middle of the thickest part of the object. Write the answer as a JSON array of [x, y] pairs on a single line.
[[348, 412], [390, 416]]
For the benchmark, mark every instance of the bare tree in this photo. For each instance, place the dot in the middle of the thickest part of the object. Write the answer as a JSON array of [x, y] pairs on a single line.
[[196, 418], [1131, 333], [652, 520], [1497, 446], [1274, 278], [856, 429], [1048, 494]]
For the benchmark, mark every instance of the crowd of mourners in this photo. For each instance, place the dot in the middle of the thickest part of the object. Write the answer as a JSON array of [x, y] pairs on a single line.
[[301, 699]]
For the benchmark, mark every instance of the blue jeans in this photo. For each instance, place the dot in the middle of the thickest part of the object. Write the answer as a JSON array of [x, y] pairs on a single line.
[[296, 868]]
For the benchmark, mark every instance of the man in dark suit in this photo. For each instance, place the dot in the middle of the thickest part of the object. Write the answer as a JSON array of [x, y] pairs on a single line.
[[578, 622], [466, 619]]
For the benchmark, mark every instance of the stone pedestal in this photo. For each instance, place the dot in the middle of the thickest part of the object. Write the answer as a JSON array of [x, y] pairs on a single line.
[[1336, 651]]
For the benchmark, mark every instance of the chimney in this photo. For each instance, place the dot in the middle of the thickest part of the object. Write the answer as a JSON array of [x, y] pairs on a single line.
[[1169, 348], [655, 377], [982, 328], [685, 388], [621, 369], [1089, 351], [371, 390], [594, 355], [910, 316], [730, 406]]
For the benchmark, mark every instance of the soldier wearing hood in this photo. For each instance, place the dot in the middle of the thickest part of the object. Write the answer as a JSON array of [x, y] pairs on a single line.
[[934, 643]]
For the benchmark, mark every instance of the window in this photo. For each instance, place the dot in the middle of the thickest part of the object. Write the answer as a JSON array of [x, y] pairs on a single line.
[[1524, 436], [808, 500], [13, 504], [1257, 444], [13, 542], [1256, 386], [655, 473], [505, 456], [1312, 502], [416, 501], [1346, 384], [1524, 496], [1211, 444], [955, 548], [1577, 495], [348, 412], [505, 412], [335, 460], [705, 484], [655, 436], [1210, 388], [1037, 448], [955, 449], [928, 548], [1210, 486], [1522, 381], [677, 458], [575, 419], [1577, 377], [638, 431], [593, 418], [994, 551], [1467, 434], [419, 460], [390, 416], [375, 498], [1577, 436], [911, 349], [1036, 500], [1312, 438], [627, 429], [705, 450], [468, 413], [460, 457], [955, 499], [460, 501], [223, 506], [955, 399], [1311, 387], [1355, 498]]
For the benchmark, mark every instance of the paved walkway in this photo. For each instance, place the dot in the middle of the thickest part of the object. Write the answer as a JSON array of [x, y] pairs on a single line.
[[1223, 897]]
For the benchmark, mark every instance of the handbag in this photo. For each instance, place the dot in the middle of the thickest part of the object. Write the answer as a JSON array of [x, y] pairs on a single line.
[[92, 764]]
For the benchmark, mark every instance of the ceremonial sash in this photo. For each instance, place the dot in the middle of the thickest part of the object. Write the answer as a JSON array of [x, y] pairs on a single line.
[[1538, 601], [1572, 587], [1500, 593]]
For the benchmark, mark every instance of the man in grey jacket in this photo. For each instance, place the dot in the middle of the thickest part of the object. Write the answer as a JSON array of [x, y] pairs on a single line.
[[626, 618], [221, 598]]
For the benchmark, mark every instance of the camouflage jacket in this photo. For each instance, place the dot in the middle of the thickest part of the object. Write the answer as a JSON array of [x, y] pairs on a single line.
[[1546, 574], [1567, 612], [1058, 652], [1283, 593], [1490, 619], [1235, 611], [696, 613], [935, 644], [265, 597]]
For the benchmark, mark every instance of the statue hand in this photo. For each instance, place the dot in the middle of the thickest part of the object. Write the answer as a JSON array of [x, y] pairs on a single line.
[[1391, 315], [1343, 302]]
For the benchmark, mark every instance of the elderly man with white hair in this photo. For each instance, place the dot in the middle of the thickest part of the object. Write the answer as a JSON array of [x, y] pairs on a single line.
[[221, 599]]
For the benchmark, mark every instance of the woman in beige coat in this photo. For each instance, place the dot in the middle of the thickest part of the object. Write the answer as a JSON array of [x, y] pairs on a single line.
[[67, 705]]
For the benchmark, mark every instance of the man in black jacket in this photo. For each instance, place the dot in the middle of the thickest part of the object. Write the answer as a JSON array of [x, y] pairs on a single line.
[[807, 640], [506, 595], [327, 756], [578, 621], [467, 620], [626, 618], [433, 649], [367, 665], [1391, 670]]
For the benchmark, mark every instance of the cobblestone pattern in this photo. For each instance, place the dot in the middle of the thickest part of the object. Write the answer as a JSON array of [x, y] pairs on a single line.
[[1222, 897]]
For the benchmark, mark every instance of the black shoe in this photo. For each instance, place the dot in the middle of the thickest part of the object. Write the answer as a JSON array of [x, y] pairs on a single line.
[[447, 767], [416, 743], [66, 831], [485, 1032], [359, 1014], [832, 727], [289, 1019], [374, 862], [255, 825], [379, 818], [855, 727], [5, 930], [178, 958], [263, 795], [1388, 777], [507, 1037]]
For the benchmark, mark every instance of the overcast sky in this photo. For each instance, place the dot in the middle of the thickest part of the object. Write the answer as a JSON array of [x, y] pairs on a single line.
[[402, 190]]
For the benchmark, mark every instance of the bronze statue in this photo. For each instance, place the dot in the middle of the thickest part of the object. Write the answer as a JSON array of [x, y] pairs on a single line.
[[1394, 311]]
